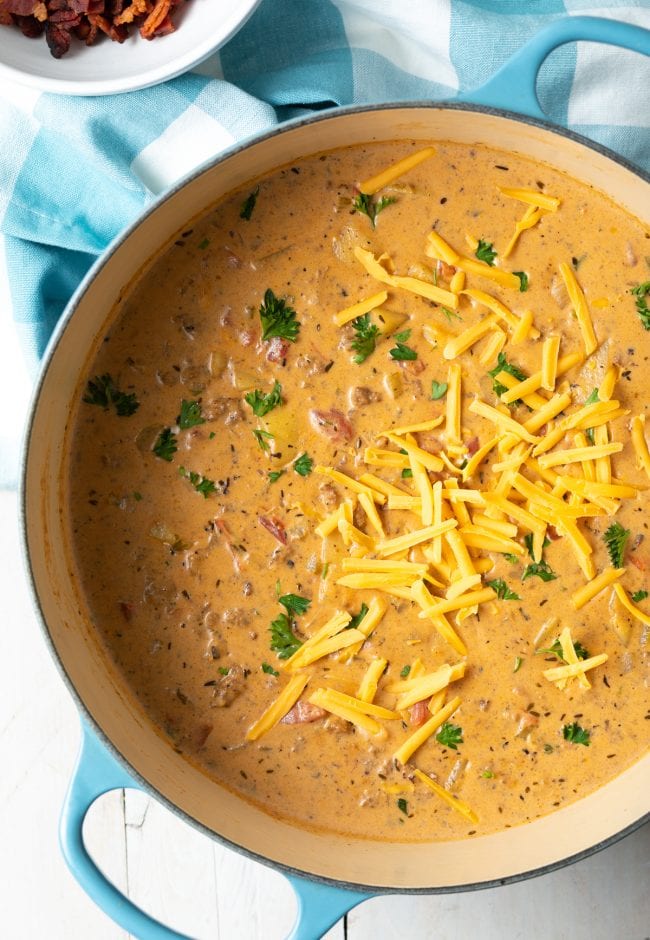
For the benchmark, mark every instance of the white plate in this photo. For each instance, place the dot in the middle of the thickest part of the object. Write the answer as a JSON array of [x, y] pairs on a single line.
[[203, 26]]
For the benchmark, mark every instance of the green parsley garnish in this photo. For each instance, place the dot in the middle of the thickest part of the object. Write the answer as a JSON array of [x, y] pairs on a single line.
[[641, 292], [487, 774], [450, 314], [190, 415], [274, 475], [103, 391], [138, 496], [200, 483], [511, 558], [284, 642], [356, 620], [294, 604], [248, 205], [539, 569], [407, 473], [438, 390], [556, 650], [405, 671], [366, 339], [165, 446], [485, 252], [223, 670], [503, 592], [504, 366], [402, 805], [303, 465], [616, 539], [203, 244], [262, 438], [261, 403], [637, 596], [269, 670], [450, 736], [400, 351], [364, 204], [576, 734], [593, 397], [523, 280], [278, 319], [518, 664]]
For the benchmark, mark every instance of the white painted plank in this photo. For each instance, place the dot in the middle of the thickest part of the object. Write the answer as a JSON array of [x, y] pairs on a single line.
[[170, 868], [255, 902], [600, 898], [39, 733]]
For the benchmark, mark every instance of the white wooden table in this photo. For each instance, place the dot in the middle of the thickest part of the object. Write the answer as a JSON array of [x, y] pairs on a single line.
[[177, 874]]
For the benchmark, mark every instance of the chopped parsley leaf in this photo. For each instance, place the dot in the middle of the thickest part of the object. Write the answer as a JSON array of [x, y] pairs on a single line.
[[405, 671], [636, 597], [400, 351], [403, 806], [450, 314], [303, 465], [485, 252], [438, 390], [640, 292], [200, 483], [294, 604], [203, 244], [261, 403], [190, 415], [487, 774], [518, 664], [165, 446], [366, 339], [528, 542], [502, 590], [511, 558], [450, 736], [274, 475], [269, 670], [102, 391], [575, 734], [364, 204], [616, 539], [556, 650], [407, 473], [593, 397], [504, 366], [138, 496], [223, 670], [523, 280], [262, 438], [539, 569], [284, 642], [278, 319], [248, 205], [356, 620]]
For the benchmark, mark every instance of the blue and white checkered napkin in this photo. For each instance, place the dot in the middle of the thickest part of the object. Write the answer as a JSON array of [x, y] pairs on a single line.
[[74, 171]]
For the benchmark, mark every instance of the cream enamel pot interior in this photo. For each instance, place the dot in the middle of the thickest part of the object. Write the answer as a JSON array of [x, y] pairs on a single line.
[[129, 751]]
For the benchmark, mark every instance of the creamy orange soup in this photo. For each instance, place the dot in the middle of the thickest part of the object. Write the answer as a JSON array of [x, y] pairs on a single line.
[[358, 493]]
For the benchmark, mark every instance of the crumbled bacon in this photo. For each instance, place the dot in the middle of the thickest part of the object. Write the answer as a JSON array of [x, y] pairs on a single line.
[[275, 527], [444, 270], [277, 349], [303, 713], [61, 20], [420, 713], [472, 446], [332, 424]]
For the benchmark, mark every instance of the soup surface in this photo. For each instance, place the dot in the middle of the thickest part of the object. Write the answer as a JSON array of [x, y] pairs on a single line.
[[348, 563]]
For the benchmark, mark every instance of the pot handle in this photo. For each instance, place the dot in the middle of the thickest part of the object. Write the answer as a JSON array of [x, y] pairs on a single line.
[[320, 906], [95, 773], [513, 87]]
